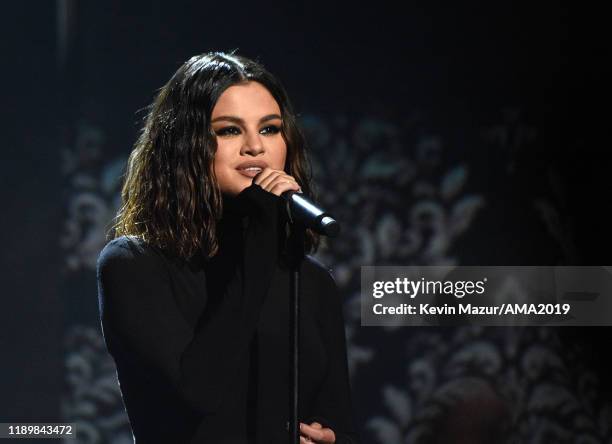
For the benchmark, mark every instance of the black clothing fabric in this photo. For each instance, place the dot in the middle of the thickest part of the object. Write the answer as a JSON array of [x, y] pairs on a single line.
[[202, 347]]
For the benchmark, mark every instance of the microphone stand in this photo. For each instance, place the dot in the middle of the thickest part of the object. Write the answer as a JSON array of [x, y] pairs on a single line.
[[304, 213], [297, 254]]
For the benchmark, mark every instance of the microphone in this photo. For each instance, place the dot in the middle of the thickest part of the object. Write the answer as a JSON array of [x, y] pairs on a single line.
[[304, 211]]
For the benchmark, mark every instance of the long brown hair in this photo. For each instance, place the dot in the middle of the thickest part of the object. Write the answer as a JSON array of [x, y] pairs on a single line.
[[170, 196]]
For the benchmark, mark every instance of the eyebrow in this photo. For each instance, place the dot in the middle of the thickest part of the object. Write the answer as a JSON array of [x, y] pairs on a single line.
[[241, 121]]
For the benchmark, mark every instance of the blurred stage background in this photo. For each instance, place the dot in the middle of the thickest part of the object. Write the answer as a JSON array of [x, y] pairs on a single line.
[[463, 133]]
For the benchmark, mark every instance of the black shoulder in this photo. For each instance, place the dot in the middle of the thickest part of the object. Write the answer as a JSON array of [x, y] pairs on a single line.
[[132, 243], [127, 251]]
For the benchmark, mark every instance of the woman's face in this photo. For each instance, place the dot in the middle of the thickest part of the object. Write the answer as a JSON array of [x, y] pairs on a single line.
[[247, 123]]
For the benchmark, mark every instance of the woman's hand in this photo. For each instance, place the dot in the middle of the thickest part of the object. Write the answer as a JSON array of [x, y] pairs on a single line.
[[316, 433], [276, 181]]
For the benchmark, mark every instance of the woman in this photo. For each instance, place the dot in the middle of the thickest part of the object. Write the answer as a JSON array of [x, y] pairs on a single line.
[[194, 286]]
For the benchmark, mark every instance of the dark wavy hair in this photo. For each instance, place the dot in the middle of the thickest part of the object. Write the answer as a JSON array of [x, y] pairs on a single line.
[[170, 196]]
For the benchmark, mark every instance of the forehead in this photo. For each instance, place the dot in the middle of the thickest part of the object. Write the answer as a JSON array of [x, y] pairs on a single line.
[[246, 99]]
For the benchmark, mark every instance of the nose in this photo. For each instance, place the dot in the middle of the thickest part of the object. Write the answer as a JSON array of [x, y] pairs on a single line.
[[253, 144]]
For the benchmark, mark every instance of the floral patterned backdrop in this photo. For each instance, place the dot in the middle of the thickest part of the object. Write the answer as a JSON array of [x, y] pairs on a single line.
[[401, 202]]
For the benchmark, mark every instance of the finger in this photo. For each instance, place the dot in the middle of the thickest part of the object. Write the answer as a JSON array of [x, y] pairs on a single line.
[[313, 433], [280, 179], [277, 182], [263, 175], [266, 177], [332, 436], [280, 187], [316, 425], [305, 439], [327, 436], [268, 173], [272, 177]]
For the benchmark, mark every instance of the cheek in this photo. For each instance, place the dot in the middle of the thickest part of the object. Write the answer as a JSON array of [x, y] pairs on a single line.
[[222, 157], [281, 155]]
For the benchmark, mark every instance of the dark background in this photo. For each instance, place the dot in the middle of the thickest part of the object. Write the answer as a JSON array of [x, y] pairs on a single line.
[[511, 96]]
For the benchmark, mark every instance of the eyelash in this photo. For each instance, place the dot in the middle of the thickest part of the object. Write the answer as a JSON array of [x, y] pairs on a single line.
[[225, 130]]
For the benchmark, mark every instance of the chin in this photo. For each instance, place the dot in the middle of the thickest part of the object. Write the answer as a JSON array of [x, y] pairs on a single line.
[[234, 190], [235, 186]]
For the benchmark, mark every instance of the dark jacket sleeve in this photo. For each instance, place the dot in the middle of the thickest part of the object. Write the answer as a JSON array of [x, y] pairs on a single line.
[[142, 323], [333, 404]]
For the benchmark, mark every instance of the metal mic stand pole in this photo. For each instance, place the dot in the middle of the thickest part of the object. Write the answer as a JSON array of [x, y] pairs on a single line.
[[296, 248]]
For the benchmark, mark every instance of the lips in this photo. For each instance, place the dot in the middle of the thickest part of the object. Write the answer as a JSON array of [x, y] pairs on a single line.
[[251, 168], [250, 172]]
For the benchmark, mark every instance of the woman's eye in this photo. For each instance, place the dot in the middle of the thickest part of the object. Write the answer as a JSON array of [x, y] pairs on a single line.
[[234, 131], [228, 131], [272, 129]]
